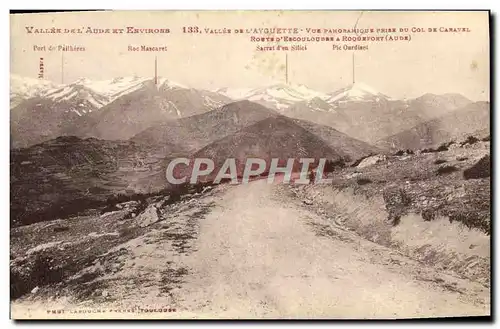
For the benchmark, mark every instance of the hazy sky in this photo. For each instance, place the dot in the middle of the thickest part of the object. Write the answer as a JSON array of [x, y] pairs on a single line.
[[430, 62]]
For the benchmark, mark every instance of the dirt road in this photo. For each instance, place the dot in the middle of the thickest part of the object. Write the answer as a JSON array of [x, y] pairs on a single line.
[[255, 251], [260, 255]]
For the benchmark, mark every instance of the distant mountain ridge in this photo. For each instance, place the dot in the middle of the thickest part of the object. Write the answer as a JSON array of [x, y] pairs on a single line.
[[452, 125], [200, 130], [149, 105], [120, 108], [356, 92], [113, 109], [375, 117], [99, 92], [197, 131]]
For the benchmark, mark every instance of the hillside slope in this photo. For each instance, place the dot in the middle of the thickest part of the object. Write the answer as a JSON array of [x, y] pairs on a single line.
[[200, 130], [467, 120], [277, 137], [68, 174], [146, 107], [370, 117]]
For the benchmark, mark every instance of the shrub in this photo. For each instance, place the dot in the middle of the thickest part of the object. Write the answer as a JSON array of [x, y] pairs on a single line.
[[472, 219], [442, 148], [470, 140], [428, 215], [364, 181], [404, 152], [439, 161], [429, 150], [61, 229], [480, 170], [446, 170], [330, 165]]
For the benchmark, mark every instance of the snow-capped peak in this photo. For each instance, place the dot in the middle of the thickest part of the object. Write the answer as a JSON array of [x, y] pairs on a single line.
[[101, 92], [280, 96], [82, 81], [283, 95], [116, 87], [356, 92], [29, 87], [233, 93], [165, 83], [97, 93], [78, 92], [287, 92]]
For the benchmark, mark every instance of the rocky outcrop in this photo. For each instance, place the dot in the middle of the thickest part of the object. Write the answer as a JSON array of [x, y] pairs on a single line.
[[371, 160], [148, 216]]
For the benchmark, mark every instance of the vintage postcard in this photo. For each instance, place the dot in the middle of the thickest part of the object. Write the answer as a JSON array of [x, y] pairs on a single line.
[[250, 164]]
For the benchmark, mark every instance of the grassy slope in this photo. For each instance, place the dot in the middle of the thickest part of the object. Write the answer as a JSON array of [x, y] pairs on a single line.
[[442, 218]]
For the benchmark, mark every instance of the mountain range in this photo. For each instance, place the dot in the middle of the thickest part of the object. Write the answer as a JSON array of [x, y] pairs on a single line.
[[121, 108], [70, 169], [113, 109], [81, 143], [370, 116], [279, 96]]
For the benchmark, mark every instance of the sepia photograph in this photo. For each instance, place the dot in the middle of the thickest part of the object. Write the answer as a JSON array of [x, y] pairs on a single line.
[[270, 164]]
